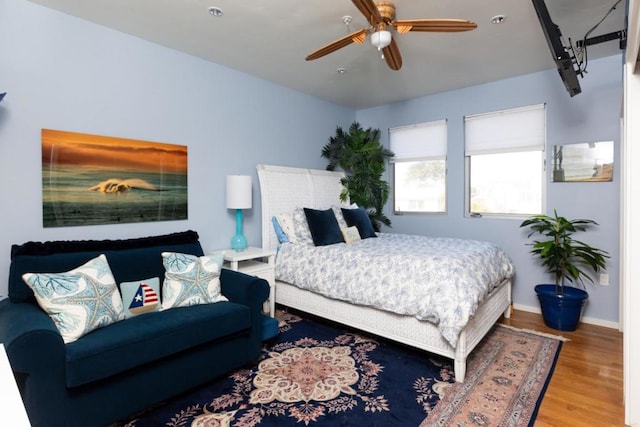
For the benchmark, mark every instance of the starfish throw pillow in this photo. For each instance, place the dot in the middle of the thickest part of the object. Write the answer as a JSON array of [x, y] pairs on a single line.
[[80, 300], [191, 280]]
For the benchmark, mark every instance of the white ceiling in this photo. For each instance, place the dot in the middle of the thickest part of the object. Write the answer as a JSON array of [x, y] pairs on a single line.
[[270, 39]]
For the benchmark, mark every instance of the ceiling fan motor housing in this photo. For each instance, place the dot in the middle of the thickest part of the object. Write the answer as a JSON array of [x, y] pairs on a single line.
[[387, 11]]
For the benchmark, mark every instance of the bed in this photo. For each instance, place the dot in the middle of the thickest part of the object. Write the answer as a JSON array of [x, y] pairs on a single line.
[[285, 189]]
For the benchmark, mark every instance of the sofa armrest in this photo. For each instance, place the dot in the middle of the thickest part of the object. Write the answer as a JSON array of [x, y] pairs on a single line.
[[32, 341], [36, 353], [244, 289], [248, 290]]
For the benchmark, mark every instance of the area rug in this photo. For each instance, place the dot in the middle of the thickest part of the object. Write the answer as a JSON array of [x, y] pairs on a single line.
[[315, 373]]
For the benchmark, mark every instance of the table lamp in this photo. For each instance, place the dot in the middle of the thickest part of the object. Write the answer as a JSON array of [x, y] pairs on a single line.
[[238, 198]]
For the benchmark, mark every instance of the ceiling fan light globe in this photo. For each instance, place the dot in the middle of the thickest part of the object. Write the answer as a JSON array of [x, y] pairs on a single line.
[[381, 39]]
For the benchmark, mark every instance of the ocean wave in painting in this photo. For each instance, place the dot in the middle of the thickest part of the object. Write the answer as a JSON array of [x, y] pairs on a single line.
[[115, 185]]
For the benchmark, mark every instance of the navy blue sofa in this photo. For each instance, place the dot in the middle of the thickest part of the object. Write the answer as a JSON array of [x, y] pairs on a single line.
[[118, 370]]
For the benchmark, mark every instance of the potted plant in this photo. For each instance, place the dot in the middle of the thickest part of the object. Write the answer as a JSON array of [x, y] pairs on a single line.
[[569, 260], [360, 155]]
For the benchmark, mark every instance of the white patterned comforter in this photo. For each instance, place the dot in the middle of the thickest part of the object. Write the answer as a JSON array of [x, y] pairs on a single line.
[[442, 280]]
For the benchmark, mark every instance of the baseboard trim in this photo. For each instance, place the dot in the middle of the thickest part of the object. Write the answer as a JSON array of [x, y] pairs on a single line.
[[585, 319]]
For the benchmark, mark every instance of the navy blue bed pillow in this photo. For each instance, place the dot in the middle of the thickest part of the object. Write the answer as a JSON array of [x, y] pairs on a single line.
[[324, 227], [360, 218]]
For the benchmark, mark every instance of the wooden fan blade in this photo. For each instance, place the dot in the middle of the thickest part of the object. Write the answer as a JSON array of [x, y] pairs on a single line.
[[434, 25], [392, 55], [369, 10], [357, 37]]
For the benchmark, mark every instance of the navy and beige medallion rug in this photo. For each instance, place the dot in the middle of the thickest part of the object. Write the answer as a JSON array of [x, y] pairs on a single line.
[[316, 374]]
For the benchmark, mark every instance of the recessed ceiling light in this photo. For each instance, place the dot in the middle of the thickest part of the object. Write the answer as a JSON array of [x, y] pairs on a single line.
[[215, 11], [498, 19], [341, 70]]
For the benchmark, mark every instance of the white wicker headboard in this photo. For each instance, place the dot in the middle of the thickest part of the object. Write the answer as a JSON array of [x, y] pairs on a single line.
[[282, 189]]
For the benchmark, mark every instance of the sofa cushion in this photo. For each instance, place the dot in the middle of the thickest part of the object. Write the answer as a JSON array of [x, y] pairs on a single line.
[[144, 339]]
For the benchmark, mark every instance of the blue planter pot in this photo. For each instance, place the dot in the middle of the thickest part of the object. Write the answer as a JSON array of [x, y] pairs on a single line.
[[561, 312]]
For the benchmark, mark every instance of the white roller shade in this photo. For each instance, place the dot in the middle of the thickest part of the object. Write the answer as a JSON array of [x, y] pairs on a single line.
[[517, 129], [424, 141]]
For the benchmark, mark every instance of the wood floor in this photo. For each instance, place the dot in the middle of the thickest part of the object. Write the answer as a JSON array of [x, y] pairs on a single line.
[[586, 387]]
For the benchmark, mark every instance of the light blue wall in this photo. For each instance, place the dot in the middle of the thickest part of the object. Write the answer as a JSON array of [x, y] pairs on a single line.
[[67, 74], [63, 73], [593, 115]]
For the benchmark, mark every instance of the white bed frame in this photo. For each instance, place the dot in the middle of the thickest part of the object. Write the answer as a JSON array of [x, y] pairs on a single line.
[[282, 189]]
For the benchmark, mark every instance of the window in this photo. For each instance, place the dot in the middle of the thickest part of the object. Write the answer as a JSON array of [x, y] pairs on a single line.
[[504, 159], [419, 167]]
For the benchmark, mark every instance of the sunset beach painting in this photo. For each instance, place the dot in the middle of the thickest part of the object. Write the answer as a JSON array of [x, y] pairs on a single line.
[[92, 179]]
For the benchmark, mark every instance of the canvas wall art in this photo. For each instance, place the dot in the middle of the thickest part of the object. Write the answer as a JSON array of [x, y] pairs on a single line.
[[92, 179]]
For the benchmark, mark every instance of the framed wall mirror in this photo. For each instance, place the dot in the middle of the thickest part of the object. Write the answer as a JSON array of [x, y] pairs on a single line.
[[584, 162]]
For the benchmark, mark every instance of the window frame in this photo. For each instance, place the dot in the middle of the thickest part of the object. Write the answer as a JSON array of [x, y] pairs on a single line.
[[542, 147], [443, 123]]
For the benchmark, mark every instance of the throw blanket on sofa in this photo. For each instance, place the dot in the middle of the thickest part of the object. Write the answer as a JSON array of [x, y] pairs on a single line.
[[441, 280]]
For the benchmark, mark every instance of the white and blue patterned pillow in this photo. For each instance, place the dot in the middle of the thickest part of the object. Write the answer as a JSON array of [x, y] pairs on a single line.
[[337, 211], [191, 280], [80, 300], [301, 226]]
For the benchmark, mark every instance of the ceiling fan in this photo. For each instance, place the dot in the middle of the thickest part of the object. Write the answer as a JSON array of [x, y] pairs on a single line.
[[382, 15]]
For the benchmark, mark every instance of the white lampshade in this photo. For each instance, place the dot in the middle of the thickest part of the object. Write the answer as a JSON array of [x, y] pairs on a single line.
[[238, 192], [381, 39]]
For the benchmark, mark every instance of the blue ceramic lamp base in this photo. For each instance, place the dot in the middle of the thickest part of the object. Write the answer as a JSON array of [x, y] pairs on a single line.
[[239, 242]]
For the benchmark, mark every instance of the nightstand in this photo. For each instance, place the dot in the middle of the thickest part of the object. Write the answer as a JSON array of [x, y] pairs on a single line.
[[255, 262]]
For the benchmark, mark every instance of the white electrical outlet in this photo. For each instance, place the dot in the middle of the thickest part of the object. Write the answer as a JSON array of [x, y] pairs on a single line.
[[604, 279]]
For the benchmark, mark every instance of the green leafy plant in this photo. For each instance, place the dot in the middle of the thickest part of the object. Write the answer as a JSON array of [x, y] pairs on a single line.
[[360, 155], [561, 254]]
